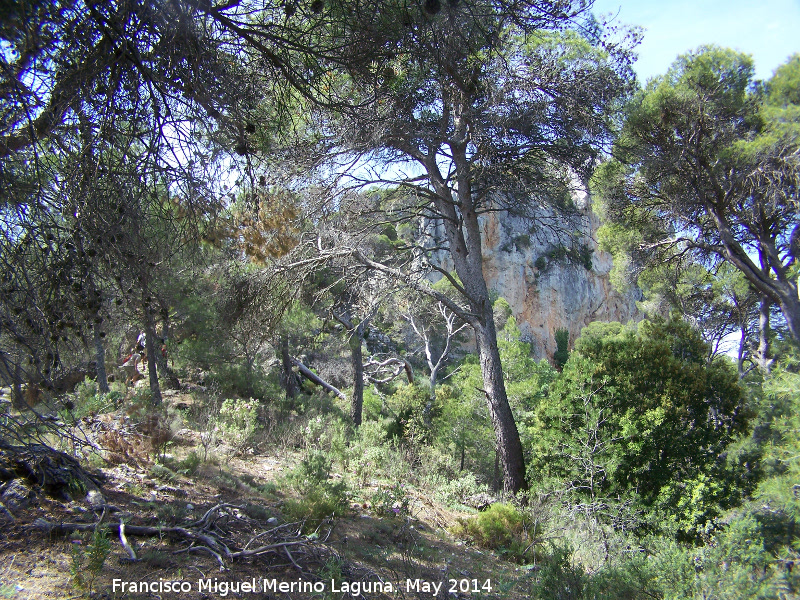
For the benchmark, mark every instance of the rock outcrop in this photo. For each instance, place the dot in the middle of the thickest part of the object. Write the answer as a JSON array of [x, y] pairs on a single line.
[[553, 278]]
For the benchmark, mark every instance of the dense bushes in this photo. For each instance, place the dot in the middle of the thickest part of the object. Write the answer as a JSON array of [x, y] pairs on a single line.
[[642, 413]]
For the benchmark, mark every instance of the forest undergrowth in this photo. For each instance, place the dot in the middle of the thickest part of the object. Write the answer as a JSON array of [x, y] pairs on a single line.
[[400, 498]]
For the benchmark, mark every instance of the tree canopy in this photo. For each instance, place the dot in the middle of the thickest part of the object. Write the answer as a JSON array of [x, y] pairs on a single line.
[[707, 165]]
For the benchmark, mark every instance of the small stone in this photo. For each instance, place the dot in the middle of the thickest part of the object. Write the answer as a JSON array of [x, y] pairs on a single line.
[[95, 499], [190, 507], [17, 493], [272, 521]]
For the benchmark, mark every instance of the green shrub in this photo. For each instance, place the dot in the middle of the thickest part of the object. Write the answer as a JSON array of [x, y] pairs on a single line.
[[632, 408], [457, 491], [317, 505], [190, 464], [236, 422], [390, 501], [88, 401], [500, 527], [558, 577], [88, 560], [321, 498]]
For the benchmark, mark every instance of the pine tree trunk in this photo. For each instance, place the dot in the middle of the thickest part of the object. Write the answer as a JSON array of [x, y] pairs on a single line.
[[357, 361], [509, 446], [463, 232], [288, 377], [150, 348], [764, 359], [100, 360]]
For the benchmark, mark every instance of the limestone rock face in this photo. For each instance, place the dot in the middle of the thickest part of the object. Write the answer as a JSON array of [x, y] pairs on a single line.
[[544, 276]]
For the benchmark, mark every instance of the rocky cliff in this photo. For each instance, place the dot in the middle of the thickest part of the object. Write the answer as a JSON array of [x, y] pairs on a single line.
[[552, 277]]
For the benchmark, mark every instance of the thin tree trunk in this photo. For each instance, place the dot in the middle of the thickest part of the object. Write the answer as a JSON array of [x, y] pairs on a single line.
[[740, 354], [17, 398], [357, 361], [161, 358], [152, 369], [463, 232], [427, 413], [764, 359], [289, 380], [100, 360]]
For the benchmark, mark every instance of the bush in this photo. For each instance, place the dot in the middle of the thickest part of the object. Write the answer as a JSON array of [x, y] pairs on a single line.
[[390, 501], [645, 413], [190, 464], [88, 401], [500, 527], [322, 498], [458, 491], [236, 422]]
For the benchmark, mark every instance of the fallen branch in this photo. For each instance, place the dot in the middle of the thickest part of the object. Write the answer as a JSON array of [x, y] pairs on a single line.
[[314, 378], [124, 541], [269, 548]]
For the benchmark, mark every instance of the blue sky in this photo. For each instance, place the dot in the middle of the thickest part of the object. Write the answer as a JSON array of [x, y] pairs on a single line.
[[769, 30]]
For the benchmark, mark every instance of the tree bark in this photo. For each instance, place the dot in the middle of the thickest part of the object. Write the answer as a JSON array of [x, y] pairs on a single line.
[[357, 360], [463, 232], [161, 358], [313, 377], [17, 398], [150, 348], [100, 360], [764, 358], [509, 446], [288, 377]]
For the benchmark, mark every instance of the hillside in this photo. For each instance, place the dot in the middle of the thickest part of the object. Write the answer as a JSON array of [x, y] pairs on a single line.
[[187, 509]]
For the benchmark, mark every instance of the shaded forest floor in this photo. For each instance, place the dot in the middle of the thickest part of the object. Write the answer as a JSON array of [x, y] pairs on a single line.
[[243, 500]]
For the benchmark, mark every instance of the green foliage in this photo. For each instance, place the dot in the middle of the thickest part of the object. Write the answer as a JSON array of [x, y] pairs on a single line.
[[314, 507], [464, 426], [784, 86], [321, 497], [501, 527], [88, 560], [190, 464], [457, 490], [562, 348], [408, 405], [391, 501], [236, 423], [502, 311], [89, 401], [643, 412], [705, 131]]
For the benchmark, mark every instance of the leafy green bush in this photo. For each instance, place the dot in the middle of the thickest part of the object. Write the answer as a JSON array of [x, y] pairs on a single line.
[[321, 497], [501, 527], [390, 501], [643, 412], [236, 422]]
